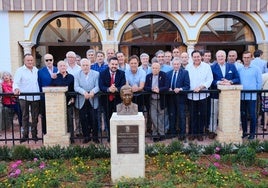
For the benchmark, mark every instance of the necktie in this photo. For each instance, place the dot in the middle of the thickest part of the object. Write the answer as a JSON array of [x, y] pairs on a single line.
[[111, 96], [174, 80]]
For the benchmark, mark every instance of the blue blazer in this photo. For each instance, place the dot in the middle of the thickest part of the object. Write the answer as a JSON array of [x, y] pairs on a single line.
[[183, 80], [231, 74], [105, 81], [44, 78], [162, 85]]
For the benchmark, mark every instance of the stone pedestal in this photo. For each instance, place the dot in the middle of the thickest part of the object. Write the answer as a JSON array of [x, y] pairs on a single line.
[[127, 139], [56, 117], [229, 129]]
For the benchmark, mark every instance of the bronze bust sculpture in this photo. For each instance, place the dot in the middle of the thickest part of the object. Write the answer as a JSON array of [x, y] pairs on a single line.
[[126, 107]]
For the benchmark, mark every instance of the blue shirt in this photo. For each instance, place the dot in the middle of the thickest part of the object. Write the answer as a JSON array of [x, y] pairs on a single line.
[[147, 71], [98, 68], [135, 79], [166, 68], [251, 79]]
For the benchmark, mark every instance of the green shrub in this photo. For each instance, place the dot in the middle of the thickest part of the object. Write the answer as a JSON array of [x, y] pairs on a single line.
[[5, 153], [264, 145], [21, 152], [174, 146], [246, 155]]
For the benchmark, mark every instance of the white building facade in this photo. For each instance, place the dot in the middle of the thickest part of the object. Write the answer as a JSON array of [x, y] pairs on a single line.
[[56, 26]]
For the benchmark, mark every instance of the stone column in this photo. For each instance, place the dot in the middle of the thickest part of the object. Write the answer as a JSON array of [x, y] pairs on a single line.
[[229, 129], [27, 47], [56, 117], [190, 49]]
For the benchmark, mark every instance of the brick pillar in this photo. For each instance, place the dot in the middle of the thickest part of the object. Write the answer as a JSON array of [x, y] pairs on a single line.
[[229, 129], [56, 117]]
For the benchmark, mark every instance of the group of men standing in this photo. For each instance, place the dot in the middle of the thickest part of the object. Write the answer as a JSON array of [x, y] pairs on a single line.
[[88, 76]]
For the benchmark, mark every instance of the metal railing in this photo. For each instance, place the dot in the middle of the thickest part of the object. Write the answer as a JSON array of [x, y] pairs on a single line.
[[12, 132]]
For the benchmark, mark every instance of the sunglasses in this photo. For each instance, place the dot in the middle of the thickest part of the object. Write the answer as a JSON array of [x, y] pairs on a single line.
[[48, 60]]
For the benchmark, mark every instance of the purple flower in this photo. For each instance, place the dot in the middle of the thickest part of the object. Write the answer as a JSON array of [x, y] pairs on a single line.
[[216, 164], [264, 172], [35, 159], [42, 165], [14, 165], [217, 149], [17, 172], [216, 156]]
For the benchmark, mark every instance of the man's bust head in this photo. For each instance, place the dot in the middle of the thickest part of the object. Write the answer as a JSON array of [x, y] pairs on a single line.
[[126, 94], [126, 107]]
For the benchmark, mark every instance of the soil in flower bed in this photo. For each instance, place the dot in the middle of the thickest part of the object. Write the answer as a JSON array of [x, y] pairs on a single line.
[[175, 170]]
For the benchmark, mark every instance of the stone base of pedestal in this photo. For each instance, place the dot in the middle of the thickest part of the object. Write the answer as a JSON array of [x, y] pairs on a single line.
[[53, 140], [229, 137], [127, 139]]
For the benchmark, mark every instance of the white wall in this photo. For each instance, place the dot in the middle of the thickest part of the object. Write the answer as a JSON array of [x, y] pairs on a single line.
[[5, 60]]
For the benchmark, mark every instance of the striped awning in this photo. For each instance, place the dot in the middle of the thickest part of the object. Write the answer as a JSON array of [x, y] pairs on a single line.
[[191, 5], [52, 5]]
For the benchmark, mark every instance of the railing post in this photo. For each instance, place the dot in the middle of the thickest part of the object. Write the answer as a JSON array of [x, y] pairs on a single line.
[[56, 117], [229, 129]]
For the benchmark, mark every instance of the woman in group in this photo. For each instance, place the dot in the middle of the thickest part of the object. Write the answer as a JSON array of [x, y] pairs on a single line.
[[10, 101]]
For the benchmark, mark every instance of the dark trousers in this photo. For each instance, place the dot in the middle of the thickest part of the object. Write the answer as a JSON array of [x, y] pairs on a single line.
[[89, 120], [176, 109], [43, 116], [25, 105], [248, 107], [15, 108], [109, 108], [198, 116]]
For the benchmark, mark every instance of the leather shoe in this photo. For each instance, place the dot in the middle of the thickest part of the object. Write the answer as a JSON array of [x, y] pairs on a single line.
[[96, 141], [181, 138], [212, 135], [86, 140], [35, 138], [155, 139], [244, 135], [191, 138], [200, 138], [251, 137], [264, 129]]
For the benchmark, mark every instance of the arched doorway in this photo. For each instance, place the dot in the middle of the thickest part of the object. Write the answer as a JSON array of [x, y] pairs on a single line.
[[149, 34], [65, 33], [226, 32]]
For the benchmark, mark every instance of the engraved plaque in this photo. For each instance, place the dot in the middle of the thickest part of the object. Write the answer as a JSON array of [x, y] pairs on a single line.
[[127, 139]]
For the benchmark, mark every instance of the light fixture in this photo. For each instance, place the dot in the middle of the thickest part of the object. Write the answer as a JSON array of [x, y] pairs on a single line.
[[108, 24]]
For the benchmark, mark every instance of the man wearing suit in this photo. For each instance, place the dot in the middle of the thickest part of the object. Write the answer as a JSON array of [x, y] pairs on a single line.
[[111, 80], [223, 74], [86, 83], [157, 82], [45, 76], [178, 81]]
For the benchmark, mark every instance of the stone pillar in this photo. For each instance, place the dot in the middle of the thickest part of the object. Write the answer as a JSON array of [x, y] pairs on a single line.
[[190, 49], [127, 134], [27, 47], [56, 117], [229, 129]]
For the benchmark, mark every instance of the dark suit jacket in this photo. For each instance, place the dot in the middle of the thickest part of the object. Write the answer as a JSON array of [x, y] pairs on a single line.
[[183, 80], [44, 78], [231, 74], [162, 85], [105, 81]]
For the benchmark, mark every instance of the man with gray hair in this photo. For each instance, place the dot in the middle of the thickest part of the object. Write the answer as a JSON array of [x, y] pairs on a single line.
[[144, 58], [232, 59], [90, 54]]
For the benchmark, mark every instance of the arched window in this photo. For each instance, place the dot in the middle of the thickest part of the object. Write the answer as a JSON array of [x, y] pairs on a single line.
[[66, 33], [226, 33], [149, 34]]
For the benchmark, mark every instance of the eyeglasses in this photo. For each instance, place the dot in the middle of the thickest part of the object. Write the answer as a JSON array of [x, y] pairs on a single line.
[[48, 60]]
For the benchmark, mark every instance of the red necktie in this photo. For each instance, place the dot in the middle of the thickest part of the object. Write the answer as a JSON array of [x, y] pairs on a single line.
[[111, 96]]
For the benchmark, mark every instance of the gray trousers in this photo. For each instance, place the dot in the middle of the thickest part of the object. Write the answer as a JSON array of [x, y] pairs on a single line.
[[157, 116]]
